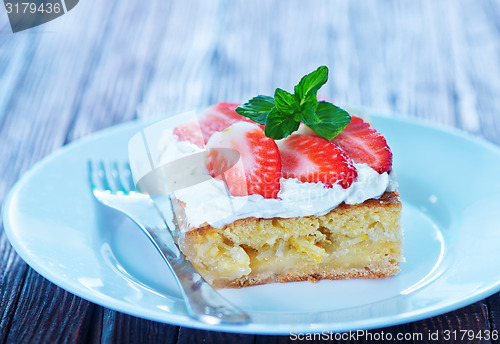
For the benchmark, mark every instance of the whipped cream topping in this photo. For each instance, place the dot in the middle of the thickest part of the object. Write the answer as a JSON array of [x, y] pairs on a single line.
[[209, 201]]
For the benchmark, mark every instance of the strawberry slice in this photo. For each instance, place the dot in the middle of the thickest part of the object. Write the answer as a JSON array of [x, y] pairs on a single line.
[[313, 159], [365, 145], [214, 119], [258, 169], [190, 131]]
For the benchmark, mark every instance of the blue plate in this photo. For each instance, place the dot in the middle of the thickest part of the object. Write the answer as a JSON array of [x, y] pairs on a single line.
[[449, 185]]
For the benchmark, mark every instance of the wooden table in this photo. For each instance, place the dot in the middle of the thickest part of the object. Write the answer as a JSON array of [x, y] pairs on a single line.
[[108, 62]]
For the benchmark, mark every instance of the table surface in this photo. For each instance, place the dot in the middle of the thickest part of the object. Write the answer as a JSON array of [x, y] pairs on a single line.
[[108, 62]]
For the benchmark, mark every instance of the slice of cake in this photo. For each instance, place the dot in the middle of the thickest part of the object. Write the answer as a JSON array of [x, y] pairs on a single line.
[[307, 206], [351, 241]]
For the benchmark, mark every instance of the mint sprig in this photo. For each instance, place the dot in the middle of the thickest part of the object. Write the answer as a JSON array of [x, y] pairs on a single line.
[[283, 114]]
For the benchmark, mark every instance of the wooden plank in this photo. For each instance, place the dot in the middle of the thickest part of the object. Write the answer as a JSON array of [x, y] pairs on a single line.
[[181, 78], [50, 314], [273, 339], [188, 336], [16, 52], [464, 94], [13, 271], [481, 51], [121, 67], [41, 106], [257, 56], [388, 334], [493, 303], [34, 124], [15, 57], [123, 328], [452, 325], [417, 79]]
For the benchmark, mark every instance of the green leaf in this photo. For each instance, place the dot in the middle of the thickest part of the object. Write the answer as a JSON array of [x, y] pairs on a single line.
[[307, 115], [257, 108], [283, 114], [279, 126], [332, 120], [285, 102], [308, 86]]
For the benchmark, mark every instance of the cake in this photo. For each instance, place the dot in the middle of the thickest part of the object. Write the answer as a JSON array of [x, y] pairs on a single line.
[[298, 208]]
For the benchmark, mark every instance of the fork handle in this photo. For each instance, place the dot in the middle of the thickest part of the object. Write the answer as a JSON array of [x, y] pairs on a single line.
[[202, 301]]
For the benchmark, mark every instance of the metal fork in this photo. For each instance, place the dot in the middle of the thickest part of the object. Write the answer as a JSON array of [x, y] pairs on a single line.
[[113, 186]]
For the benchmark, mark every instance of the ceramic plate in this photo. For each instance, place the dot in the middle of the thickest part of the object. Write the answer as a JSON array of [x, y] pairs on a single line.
[[450, 190]]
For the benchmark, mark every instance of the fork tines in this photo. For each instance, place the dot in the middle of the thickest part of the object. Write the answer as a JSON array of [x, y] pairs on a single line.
[[111, 176]]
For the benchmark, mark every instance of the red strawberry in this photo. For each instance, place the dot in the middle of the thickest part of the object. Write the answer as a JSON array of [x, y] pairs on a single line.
[[216, 118], [365, 145], [190, 131], [313, 159], [258, 170]]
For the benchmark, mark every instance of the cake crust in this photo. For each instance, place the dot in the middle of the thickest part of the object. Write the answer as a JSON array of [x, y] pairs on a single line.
[[379, 272]]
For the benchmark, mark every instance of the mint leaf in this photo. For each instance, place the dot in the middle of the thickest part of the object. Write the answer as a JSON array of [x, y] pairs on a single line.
[[279, 126], [308, 115], [285, 102], [332, 120], [283, 114], [308, 86], [256, 108]]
